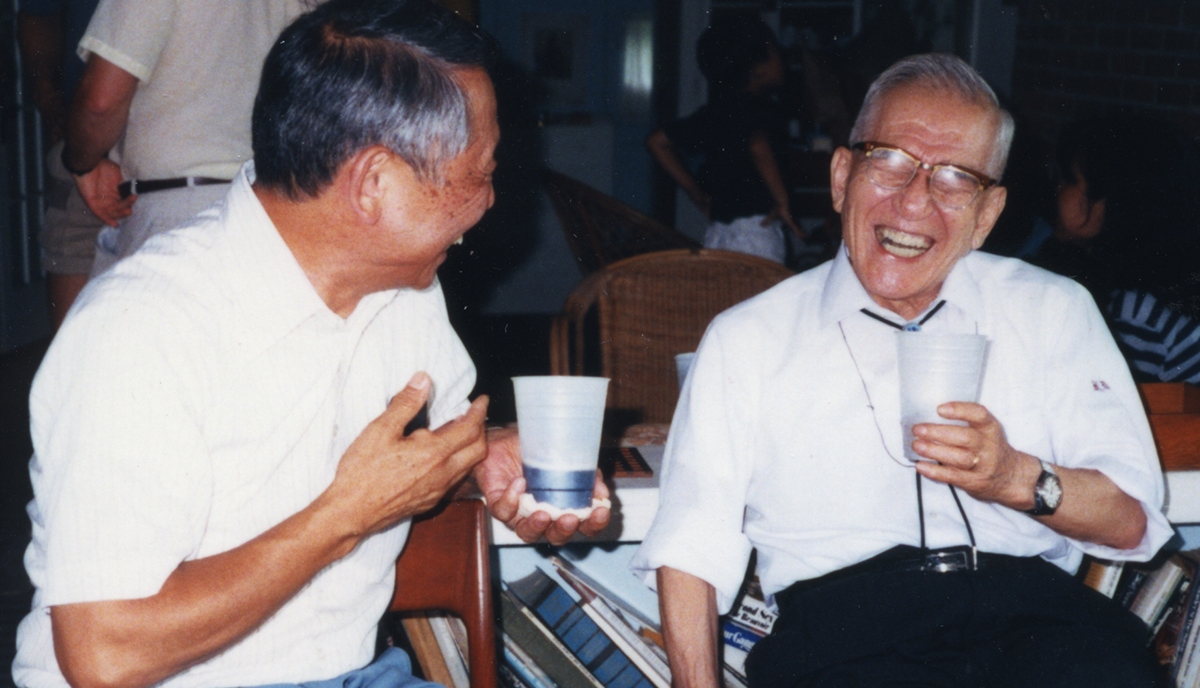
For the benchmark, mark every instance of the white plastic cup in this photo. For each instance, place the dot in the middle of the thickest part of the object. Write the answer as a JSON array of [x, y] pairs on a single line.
[[936, 369], [683, 363], [560, 419]]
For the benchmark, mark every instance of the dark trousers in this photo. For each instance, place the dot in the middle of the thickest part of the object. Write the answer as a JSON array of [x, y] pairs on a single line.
[[1014, 623]]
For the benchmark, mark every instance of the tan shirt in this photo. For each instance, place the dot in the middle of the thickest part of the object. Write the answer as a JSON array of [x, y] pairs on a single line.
[[198, 63]]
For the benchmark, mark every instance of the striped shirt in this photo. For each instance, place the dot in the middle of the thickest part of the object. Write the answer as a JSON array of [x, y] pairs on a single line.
[[1160, 344]]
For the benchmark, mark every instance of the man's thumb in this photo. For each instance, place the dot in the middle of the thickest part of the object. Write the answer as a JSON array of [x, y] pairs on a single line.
[[410, 400]]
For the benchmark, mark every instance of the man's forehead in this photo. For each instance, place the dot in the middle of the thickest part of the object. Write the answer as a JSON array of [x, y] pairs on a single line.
[[936, 116]]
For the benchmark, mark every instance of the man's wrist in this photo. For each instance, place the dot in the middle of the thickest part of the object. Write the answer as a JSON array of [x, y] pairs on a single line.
[[75, 172], [1047, 491], [1024, 482]]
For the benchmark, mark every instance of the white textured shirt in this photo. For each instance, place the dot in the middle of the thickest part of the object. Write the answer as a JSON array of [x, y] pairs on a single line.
[[198, 64], [787, 436], [200, 393]]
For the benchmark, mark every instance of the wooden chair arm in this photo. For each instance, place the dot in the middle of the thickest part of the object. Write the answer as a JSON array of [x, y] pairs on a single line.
[[445, 566]]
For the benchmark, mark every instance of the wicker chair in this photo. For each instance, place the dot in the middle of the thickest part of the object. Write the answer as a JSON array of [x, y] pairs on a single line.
[[445, 567], [602, 230], [649, 308]]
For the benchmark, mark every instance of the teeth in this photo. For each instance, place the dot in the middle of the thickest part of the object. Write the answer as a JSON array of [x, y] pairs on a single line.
[[902, 244], [458, 241]]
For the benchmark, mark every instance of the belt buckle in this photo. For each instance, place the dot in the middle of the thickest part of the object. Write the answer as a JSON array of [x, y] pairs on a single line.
[[951, 559]]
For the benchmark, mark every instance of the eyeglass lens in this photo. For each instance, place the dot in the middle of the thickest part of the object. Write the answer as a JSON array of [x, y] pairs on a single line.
[[949, 187]]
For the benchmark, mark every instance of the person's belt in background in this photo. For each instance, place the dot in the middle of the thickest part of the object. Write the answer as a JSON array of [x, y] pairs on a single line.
[[134, 186]]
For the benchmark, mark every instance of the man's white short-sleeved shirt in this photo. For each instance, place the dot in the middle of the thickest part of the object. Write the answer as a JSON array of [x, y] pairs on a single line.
[[198, 64], [200, 393], [785, 433]]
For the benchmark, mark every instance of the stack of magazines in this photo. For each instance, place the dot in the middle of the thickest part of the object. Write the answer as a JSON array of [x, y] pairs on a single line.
[[1166, 597], [582, 635]]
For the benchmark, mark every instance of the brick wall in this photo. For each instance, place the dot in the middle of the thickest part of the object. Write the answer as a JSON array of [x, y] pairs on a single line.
[[1078, 58]]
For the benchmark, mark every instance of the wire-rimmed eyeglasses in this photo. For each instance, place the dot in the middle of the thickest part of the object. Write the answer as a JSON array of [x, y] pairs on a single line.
[[951, 186]]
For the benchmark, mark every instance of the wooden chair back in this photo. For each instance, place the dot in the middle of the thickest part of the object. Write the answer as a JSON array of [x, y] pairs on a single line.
[[600, 229], [649, 308], [1174, 412], [445, 567]]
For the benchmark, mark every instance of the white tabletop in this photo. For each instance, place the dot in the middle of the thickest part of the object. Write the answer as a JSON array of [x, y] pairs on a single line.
[[1183, 497]]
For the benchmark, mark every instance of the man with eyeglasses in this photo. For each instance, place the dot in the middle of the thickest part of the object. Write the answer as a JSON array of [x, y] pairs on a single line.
[[787, 441]]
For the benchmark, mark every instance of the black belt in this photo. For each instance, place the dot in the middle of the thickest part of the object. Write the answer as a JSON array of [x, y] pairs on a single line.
[[134, 186], [903, 558]]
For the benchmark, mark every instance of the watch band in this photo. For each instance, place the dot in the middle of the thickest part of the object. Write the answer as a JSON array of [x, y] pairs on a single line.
[[1047, 493]]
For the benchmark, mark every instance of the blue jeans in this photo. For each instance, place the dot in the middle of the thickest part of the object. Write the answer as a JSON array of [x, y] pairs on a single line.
[[392, 670]]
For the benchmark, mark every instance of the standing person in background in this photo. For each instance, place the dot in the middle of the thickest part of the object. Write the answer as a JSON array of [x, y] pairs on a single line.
[[169, 86], [738, 186], [47, 33], [1128, 229]]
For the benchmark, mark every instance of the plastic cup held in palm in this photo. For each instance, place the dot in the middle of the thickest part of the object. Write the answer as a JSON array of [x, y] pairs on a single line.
[[560, 419]]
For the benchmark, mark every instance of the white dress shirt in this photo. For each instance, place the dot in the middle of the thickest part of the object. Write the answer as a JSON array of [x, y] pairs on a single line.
[[200, 393], [787, 436]]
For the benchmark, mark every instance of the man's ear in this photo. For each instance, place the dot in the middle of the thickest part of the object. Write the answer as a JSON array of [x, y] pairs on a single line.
[[992, 204], [839, 176], [366, 179]]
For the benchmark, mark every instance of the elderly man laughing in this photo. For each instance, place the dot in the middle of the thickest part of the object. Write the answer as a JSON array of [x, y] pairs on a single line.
[[787, 440]]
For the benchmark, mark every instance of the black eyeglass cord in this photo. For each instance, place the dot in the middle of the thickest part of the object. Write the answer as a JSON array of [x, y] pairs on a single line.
[[907, 327], [961, 511], [916, 327]]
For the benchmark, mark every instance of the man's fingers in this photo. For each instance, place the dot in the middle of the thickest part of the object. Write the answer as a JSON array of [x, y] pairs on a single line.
[[467, 428], [944, 454], [531, 528], [953, 435], [597, 522], [600, 491], [939, 473], [975, 414], [407, 402], [505, 504], [561, 530]]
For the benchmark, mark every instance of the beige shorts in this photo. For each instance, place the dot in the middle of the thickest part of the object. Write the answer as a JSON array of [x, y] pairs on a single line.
[[68, 233]]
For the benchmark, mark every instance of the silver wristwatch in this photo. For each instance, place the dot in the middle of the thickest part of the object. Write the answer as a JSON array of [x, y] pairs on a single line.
[[1047, 493]]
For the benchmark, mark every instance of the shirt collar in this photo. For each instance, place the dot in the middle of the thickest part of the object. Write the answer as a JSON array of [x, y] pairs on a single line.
[[265, 277], [844, 295]]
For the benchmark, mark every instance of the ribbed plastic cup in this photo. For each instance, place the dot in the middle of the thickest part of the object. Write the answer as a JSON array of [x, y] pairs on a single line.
[[936, 369], [683, 363], [560, 419]]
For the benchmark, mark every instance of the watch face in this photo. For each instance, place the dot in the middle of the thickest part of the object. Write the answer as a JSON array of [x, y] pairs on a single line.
[[1050, 489]]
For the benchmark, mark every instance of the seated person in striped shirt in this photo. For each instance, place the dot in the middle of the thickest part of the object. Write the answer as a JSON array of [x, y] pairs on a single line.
[[1129, 230], [223, 475]]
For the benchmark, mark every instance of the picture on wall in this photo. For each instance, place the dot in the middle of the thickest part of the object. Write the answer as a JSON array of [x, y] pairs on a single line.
[[554, 48]]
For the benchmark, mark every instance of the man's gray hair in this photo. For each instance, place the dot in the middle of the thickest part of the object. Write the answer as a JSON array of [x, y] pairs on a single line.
[[942, 72], [358, 73]]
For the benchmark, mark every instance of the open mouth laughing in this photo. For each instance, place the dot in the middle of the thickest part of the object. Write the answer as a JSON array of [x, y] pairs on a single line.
[[902, 244]]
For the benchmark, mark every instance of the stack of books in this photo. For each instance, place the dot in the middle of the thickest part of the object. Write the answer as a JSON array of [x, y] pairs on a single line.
[[1166, 598], [582, 635], [439, 643]]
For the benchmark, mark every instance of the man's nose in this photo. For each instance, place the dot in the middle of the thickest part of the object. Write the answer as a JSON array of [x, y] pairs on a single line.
[[914, 200]]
